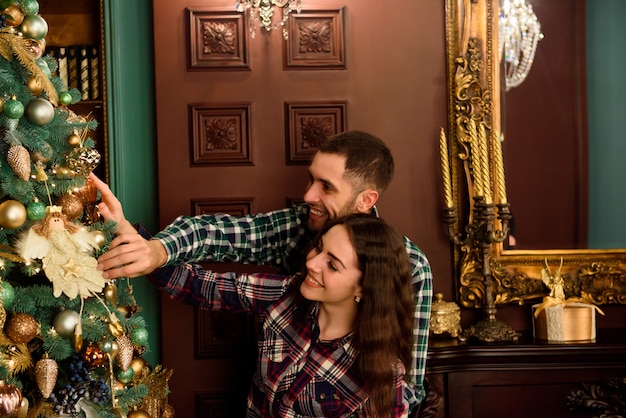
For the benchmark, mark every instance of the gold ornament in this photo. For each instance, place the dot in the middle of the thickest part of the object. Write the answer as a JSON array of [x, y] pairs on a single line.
[[138, 413], [65, 322], [63, 172], [23, 411], [36, 48], [34, 86], [40, 111], [117, 411], [94, 356], [42, 155], [169, 411], [46, 371], [19, 160], [12, 214], [99, 238], [72, 206], [1, 105], [21, 328], [83, 160], [110, 293], [137, 364], [13, 16], [125, 351], [74, 140], [10, 399]]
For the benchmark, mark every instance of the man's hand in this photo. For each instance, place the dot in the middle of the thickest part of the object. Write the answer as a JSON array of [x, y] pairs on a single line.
[[129, 254]]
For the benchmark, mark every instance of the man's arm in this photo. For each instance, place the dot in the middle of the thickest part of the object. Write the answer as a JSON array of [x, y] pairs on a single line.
[[422, 287], [255, 239]]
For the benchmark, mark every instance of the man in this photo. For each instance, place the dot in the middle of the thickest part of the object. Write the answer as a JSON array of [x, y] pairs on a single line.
[[348, 174]]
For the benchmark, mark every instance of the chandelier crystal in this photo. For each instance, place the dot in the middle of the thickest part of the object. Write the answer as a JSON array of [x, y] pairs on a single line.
[[262, 12], [520, 31]]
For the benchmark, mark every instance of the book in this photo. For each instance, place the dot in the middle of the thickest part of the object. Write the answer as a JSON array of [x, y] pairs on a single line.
[[84, 73], [94, 72], [72, 67], [61, 57]]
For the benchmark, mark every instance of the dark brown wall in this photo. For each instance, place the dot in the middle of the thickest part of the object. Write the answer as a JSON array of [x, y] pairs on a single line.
[[394, 86]]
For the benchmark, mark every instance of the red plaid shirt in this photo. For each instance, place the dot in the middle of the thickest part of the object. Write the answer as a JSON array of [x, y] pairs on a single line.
[[296, 375]]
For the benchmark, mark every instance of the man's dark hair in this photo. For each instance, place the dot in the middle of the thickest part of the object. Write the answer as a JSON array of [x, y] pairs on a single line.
[[369, 163]]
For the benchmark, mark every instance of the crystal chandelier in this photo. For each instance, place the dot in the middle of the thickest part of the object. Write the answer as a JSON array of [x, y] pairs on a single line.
[[520, 32], [263, 11]]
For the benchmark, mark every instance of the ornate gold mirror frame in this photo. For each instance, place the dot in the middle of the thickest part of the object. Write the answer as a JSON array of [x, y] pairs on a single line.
[[514, 276]]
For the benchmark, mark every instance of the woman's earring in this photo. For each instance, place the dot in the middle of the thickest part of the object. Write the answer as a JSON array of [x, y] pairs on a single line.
[[357, 299]]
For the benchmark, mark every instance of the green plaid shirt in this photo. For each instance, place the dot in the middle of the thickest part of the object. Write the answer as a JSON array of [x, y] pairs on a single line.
[[278, 239]]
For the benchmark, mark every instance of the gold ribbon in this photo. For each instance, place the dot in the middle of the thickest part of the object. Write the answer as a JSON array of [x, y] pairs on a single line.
[[549, 301], [9, 253]]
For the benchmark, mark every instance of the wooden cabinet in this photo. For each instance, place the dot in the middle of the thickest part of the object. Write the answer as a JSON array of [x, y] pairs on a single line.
[[525, 379], [76, 39]]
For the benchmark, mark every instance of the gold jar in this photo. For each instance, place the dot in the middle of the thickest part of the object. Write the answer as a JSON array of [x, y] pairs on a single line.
[[445, 317]]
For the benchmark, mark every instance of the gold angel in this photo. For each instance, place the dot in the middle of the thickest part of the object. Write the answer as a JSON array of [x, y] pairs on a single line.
[[555, 283], [65, 249]]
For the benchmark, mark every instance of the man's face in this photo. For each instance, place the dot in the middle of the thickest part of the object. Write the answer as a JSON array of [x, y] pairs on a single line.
[[329, 194]]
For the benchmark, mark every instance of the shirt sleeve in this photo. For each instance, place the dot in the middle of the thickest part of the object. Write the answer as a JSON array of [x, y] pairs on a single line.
[[422, 287], [263, 238], [206, 289]]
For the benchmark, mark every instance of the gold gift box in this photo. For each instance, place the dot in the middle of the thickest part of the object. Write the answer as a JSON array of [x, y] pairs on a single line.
[[575, 321]]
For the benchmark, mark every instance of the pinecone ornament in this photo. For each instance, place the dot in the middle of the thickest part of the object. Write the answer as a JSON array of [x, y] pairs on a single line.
[[46, 371], [19, 160]]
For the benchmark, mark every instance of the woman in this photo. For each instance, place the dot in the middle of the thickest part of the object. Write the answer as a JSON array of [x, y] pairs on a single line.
[[336, 339]]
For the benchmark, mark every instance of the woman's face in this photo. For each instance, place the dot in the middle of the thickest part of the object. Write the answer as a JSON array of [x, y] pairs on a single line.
[[333, 274]]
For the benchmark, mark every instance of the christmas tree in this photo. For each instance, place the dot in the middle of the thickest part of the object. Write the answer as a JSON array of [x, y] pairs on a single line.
[[71, 344]]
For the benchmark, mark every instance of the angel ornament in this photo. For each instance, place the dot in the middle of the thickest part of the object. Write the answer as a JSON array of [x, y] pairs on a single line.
[[65, 249], [555, 283]]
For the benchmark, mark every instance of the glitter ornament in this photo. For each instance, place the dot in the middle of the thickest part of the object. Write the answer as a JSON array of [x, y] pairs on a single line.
[[139, 336], [21, 328], [36, 210], [13, 108], [71, 206], [94, 356], [19, 161], [46, 371], [125, 352]]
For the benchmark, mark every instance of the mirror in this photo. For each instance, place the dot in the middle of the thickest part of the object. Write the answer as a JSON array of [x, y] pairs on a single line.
[[474, 94]]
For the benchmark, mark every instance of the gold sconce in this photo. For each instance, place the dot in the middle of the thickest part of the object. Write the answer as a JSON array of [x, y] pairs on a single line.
[[262, 11]]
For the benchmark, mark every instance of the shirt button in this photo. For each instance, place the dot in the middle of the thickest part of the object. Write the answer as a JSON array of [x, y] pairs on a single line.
[[322, 396]]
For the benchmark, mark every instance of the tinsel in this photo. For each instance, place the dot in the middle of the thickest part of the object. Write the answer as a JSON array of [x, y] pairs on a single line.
[[10, 46]]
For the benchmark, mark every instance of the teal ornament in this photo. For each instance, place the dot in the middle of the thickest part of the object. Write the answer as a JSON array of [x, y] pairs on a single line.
[[125, 376], [65, 98], [36, 210], [7, 294], [34, 27], [139, 336], [30, 7], [13, 108], [44, 67], [40, 111]]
